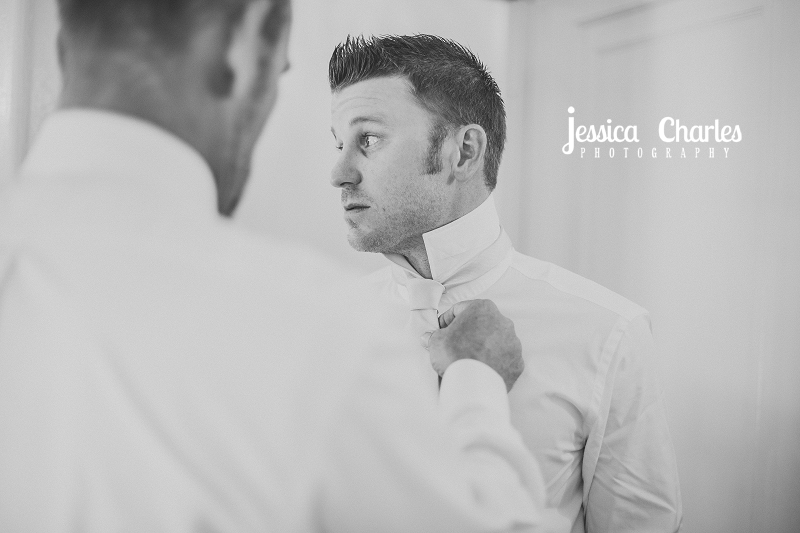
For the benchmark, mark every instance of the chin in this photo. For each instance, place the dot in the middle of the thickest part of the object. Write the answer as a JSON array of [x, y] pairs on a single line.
[[356, 242], [368, 242]]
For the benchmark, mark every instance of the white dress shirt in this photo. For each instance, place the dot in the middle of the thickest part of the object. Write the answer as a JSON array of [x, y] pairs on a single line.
[[588, 404], [160, 370]]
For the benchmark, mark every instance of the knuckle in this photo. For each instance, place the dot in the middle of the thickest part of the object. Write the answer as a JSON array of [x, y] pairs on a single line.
[[485, 305]]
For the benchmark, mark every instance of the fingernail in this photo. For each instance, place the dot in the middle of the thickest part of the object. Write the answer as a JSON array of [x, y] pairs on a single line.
[[425, 339]]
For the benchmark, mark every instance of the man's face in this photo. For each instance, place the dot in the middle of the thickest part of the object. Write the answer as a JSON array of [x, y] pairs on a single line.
[[383, 135]]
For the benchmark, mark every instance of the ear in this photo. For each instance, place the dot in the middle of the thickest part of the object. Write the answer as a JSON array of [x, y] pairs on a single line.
[[471, 141], [210, 50], [254, 45], [230, 48]]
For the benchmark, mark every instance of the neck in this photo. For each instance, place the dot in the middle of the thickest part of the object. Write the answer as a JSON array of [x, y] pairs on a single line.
[[414, 249], [131, 87], [417, 257]]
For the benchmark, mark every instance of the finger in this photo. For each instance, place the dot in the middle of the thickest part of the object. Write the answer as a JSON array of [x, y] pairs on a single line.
[[438, 366], [425, 339], [438, 356], [446, 318]]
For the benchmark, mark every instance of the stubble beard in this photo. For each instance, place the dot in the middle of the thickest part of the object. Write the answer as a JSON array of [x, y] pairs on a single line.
[[380, 241], [363, 243], [397, 232], [400, 231]]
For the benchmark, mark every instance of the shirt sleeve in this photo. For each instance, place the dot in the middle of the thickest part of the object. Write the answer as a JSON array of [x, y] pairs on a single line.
[[399, 461], [634, 486]]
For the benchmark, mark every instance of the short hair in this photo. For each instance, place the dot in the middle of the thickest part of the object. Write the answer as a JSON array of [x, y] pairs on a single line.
[[164, 23], [447, 79]]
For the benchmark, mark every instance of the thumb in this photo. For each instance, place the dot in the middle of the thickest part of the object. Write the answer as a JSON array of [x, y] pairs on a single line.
[[448, 316]]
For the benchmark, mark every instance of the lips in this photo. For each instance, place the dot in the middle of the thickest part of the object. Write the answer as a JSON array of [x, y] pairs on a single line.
[[355, 207], [354, 203]]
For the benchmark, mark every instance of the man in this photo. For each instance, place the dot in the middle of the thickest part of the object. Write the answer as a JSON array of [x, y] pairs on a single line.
[[421, 126], [161, 371]]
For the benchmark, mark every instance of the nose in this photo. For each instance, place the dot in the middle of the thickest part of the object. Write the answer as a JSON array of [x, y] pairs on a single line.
[[345, 172]]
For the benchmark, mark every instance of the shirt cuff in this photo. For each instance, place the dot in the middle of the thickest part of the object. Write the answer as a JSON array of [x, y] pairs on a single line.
[[468, 384]]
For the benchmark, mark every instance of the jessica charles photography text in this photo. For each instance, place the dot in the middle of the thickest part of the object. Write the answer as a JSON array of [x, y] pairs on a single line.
[[681, 140]]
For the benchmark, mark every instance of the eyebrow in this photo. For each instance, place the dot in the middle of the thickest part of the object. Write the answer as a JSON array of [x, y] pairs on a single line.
[[368, 118], [378, 119]]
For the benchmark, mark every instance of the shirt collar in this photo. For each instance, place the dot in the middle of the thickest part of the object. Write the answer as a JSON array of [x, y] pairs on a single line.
[[454, 245], [467, 256], [129, 156]]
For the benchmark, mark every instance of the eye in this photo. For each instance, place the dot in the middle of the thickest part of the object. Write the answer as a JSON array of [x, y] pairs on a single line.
[[369, 140], [339, 147]]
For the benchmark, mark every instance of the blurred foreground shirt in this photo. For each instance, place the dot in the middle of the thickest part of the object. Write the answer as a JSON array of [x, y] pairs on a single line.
[[162, 371], [588, 403]]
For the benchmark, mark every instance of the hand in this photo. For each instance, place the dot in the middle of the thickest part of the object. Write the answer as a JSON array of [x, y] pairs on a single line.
[[475, 329]]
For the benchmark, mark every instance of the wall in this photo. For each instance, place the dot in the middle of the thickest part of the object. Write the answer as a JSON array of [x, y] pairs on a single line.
[[710, 246], [29, 78]]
